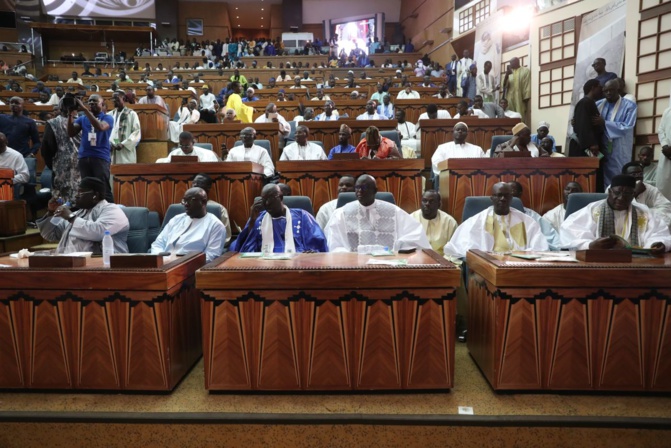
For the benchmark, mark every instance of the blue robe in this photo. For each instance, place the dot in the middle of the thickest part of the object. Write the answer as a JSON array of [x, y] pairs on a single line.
[[307, 234], [619, 136], [340, 149]]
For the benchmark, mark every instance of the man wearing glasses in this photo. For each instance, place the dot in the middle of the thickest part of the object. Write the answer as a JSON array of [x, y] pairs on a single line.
[[194, 230], [615, 222], [95, 151], [83, 230], [186, 148], [249, 152]]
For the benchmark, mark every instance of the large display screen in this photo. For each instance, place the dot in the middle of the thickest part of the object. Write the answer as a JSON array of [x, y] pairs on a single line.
[[110, 9], [355, 34]]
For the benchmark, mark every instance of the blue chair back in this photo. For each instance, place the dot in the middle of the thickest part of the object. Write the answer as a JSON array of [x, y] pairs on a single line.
[[576, 201], [497, 140], [292, 133], [347, 197], [46, 178], [262, 143], [204, 145], [138, 242], [176, 209], [302, 202], [153, 227], [391, 135], [475, 204]]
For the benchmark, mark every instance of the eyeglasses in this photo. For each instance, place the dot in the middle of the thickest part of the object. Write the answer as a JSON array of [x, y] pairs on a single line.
[[623, 193], [190, 200], [82, 193]]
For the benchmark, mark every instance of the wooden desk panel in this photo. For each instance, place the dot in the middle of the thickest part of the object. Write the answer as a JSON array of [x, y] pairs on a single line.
[[216, 134], [564, 326], [98, 328], [543, 179], [158, 185], [480, 133], [328, 322], [319, 179], [6, 184]]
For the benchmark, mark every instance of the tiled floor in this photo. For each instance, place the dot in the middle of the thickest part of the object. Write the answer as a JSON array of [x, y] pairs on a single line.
[[471, 390]]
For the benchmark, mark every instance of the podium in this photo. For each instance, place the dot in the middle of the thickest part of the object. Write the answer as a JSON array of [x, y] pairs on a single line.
[[543, 179], [153, 121], [157, 185], [318, 179]]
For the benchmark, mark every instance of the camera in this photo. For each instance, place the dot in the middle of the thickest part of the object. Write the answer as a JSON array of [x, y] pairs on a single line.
[[68, 102]]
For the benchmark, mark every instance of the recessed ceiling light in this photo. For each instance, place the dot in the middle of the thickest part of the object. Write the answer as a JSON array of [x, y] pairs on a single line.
[[261, 9], [261, 26], [261, 18], [236, 7], [237, 17], [238, 24]]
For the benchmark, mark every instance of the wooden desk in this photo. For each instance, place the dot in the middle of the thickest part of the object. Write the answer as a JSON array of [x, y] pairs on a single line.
[[543, 179], [216, 134], [33, 110], [328, 322], [327, 131], [319, 179], [157, 185], [565, 326], [153, 121], [98, 328], [480, 132], [6, 184]]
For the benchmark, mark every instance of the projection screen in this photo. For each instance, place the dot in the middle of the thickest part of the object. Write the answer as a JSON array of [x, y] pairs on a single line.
[[111, 9]]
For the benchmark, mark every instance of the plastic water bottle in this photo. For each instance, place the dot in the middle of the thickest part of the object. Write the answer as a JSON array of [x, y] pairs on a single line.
[[56, 220], [108, 248]]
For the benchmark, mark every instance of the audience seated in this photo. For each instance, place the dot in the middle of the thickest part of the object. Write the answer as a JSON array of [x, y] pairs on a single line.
[[302, 149], [437, 225], [249, 152], [616, 222], [498, 228], [193, 230], [83, 229], [186, 148], [368, 221], [521, 141], [273, 227], [346, 184], [557, 214]]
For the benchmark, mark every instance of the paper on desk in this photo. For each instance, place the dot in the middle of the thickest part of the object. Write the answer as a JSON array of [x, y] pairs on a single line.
[[6, 266], [401, 262], [567, 259], [251, 255]]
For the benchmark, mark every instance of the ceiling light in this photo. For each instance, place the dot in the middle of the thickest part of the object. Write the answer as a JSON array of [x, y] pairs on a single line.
[[261, 9], [237, 17], [238, 24], [261, 18], [236, 7]]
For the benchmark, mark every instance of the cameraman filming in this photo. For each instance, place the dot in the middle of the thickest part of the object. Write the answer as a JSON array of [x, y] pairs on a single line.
[[95, 128]]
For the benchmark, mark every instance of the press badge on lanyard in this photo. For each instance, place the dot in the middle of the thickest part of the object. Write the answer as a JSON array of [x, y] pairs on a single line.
[[92, 138]]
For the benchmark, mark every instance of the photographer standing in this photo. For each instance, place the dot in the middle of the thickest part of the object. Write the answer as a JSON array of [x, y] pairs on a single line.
[[94, 150]]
